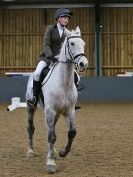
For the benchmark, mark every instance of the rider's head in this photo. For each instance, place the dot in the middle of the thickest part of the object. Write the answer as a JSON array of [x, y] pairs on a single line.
[[63, 15]]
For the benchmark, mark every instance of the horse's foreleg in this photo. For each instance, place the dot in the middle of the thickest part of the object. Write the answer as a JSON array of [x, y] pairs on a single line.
[[50, 119], [31, 130], [71, 134]]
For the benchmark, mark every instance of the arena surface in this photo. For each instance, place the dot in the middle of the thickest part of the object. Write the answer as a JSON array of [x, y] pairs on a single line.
[[103, 146]]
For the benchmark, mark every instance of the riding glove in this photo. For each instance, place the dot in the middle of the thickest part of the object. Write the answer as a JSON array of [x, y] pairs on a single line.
[[53, 59]]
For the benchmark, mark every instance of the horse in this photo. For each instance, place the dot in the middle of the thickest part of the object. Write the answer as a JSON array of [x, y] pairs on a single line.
[[60, 95]]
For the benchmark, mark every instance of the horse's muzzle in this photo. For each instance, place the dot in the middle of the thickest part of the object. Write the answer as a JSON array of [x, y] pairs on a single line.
[[83, 64]]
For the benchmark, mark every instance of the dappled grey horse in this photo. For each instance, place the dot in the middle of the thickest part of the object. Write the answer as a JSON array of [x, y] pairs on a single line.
[[60, 95]]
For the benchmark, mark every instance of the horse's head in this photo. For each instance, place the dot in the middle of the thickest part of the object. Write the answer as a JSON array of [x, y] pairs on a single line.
[[75, 49]]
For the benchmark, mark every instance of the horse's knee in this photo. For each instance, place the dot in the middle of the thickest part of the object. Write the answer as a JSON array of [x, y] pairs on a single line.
[[52, 137], [71, 133]]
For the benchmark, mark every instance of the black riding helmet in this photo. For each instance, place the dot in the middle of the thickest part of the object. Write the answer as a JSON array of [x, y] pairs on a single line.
[[63, 12]]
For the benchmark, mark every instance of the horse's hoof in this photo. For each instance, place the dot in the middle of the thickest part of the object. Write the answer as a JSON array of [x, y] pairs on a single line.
[[50, 166], [50, 169], [62, 153], [30, 154]]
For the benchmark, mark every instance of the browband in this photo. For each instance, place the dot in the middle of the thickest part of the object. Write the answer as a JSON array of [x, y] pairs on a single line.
[[73, 37]]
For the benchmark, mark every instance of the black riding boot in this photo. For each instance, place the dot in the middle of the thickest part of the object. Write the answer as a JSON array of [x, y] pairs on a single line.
[[36, 91], [77, 107]]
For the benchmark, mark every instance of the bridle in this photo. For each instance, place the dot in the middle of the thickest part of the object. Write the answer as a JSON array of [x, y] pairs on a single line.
[[72, 57], [69, 49]]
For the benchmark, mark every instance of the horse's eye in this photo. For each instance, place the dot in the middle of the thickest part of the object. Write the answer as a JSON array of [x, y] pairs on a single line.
[[72, 43]]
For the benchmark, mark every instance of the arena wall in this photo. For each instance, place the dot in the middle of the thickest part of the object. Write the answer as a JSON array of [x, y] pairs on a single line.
[[96, 88]]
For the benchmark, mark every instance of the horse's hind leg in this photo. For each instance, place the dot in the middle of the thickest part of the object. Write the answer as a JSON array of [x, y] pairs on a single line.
[[31, 129], [70, 117]]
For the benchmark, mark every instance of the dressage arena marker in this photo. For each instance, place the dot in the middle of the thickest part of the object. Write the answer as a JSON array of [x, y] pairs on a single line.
[[15, 103]]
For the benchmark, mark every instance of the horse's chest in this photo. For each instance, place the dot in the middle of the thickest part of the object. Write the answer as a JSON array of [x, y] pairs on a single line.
[[63, 98]]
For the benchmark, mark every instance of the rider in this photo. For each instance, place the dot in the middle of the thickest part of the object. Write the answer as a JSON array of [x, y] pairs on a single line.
[[52, 42]]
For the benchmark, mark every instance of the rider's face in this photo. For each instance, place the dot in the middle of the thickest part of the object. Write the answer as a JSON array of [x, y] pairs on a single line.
[[63, 20]]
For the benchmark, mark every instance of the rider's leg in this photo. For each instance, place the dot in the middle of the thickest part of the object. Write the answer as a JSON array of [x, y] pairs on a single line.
[[36, 83], [76, 81]]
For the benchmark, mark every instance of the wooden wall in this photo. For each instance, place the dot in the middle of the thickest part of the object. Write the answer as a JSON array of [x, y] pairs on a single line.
[[117, 40], [21, 35]]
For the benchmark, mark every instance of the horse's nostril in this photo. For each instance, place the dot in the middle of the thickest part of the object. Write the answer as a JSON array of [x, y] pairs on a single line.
[[81, 64]]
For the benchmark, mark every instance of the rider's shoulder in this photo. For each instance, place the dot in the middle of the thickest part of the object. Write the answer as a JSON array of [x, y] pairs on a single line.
[[50, 27]]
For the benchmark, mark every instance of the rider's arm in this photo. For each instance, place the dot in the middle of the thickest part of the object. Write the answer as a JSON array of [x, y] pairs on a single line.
[[47, 42]]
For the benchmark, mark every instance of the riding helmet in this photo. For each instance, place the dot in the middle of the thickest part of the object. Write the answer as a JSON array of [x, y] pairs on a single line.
[[63, 12]]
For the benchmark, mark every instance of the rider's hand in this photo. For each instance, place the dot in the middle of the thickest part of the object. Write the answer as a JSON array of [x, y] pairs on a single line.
[[53, 59]]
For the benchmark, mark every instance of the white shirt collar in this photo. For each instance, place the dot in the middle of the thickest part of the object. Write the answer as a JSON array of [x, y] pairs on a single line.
[[60, 29], [59, 26]]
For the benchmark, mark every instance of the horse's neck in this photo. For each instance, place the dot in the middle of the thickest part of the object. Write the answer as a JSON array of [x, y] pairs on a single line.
[[65, 70], [65, 74]]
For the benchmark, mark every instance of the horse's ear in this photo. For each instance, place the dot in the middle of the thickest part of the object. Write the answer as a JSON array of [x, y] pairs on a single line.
[[67, 32], [78, 30]]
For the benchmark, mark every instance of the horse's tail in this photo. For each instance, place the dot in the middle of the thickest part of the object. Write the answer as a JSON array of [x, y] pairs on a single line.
[[29, 90]]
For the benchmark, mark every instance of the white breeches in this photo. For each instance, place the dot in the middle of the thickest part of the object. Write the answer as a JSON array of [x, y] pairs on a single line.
[[39, 68]]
